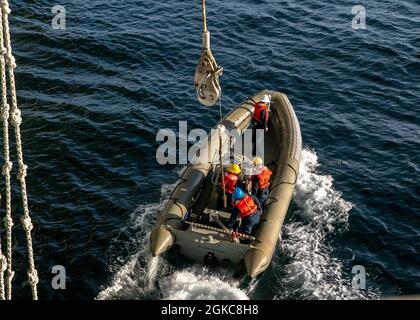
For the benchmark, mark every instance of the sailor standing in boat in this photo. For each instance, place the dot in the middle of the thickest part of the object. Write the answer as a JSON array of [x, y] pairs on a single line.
[[260, 180], [260, 119], [230, 180], [248, 208]]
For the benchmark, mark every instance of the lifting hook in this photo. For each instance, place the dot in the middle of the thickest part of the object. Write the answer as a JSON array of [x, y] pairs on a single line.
[[207, 72]]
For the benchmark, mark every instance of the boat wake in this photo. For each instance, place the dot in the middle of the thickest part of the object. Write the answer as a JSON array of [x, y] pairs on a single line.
[[309, 269], [141, 276], [304, 265]]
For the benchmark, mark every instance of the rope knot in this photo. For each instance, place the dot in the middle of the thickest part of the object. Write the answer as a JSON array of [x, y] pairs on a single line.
[[16, 117], [22, 172], [6, 7], [3, 263], [7, 167], [11, 60], [33, 278], [27, 223], [8, 221]]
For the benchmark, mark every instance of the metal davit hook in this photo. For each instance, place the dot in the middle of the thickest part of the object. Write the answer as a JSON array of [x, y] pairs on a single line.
[[206, 81], [207, 72]]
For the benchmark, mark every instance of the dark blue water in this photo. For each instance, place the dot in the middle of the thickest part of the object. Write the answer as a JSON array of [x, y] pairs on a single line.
[[93, 97]]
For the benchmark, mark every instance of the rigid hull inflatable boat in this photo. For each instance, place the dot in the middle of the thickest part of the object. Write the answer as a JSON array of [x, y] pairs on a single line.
[[192, 223]]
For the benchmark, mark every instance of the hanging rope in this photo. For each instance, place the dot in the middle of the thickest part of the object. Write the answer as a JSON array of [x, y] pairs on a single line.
[[221, 130], [3, 267], [7, 167], [8, 59], [203, 13]]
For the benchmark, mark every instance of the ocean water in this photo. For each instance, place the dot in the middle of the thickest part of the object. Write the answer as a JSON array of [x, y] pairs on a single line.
[[93, 97]]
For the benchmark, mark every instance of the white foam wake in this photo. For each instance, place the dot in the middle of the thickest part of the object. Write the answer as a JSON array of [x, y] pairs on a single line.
[[136, 277], [198, 283], [310, 270]]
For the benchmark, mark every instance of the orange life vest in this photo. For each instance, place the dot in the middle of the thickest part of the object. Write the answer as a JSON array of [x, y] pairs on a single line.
[[229, 181], [258, 107], [246, 206], [264, 178]]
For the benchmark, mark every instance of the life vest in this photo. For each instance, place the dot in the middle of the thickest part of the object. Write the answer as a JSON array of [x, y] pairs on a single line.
[[264, 178], [246, 206], [258, 107], [230, 180]]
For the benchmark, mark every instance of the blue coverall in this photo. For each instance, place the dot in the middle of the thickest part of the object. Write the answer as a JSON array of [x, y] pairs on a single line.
[[248, 222], [261, 194]]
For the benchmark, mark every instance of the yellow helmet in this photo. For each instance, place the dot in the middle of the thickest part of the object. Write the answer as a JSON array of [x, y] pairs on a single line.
[[234, 168], [257, 162]]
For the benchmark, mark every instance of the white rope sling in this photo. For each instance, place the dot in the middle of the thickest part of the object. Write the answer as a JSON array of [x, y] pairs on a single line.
[[7, 65]]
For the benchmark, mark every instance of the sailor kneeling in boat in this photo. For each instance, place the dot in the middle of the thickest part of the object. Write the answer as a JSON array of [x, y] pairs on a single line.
[[230, 180], [260, 180], [248, 208]]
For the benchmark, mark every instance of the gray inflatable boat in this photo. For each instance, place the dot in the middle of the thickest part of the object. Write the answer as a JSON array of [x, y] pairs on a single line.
[[192, 224]]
